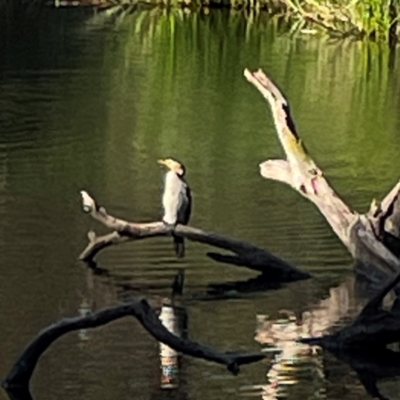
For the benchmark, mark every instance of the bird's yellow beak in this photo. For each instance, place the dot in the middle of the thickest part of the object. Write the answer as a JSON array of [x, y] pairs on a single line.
[[170, 163]]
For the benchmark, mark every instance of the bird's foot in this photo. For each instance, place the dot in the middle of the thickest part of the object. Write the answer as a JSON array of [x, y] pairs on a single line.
[[170, 227]]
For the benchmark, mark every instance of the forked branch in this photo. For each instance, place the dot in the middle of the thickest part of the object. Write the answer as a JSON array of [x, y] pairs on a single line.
[[246, 254], [22, 370], [372, 238]]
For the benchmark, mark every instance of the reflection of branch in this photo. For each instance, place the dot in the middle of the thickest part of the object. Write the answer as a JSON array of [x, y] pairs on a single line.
[[247, 255], [18, 393], [373, 328], [227, 289], [314, 321], [23, 368], [372, 367]]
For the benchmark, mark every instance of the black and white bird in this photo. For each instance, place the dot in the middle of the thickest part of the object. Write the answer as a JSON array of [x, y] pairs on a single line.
[[176, 200]]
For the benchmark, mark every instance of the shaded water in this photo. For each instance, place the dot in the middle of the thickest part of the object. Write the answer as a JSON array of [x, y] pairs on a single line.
[[92, 102]]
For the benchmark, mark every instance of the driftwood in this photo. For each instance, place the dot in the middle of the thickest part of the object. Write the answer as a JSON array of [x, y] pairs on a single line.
[[17, 380], [372, 238], [247, 255]]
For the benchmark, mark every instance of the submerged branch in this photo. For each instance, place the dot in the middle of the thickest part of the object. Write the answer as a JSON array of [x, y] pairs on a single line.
[[22, 370], [246, 254]]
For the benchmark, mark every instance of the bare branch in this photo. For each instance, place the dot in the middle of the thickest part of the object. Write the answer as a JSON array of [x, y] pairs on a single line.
[[247, 255], [300, 171], [22, 370], [390, 198], [278, 170]]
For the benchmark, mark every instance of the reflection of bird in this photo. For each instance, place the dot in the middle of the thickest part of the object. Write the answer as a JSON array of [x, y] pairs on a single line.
[[177, 200], [178, 282]]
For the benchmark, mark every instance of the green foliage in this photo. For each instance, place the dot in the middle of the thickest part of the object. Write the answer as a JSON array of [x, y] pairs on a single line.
[[372, 19]]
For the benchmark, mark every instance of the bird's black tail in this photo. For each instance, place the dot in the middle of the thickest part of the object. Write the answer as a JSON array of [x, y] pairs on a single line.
[[179, 245]]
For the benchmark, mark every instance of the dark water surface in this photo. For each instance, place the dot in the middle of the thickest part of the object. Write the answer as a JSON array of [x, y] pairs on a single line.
[[93, 102]]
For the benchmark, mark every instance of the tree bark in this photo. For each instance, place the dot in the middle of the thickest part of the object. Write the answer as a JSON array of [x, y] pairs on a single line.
[[372, 238], [21, 372], [246, 255]]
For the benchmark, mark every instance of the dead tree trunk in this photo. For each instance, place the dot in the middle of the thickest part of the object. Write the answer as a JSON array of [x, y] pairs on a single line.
[[371, 238], [22, 370], [246, 255]]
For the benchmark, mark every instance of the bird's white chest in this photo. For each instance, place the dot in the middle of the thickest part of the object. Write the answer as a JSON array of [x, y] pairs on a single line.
[[172, 184], [173, 187]]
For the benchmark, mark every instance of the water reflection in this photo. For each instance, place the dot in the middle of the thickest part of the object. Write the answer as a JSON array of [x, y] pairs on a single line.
[[224, 290], [172, 313], [19, 394], [373, 368], [84, 310], [297, 370], [174, 318]]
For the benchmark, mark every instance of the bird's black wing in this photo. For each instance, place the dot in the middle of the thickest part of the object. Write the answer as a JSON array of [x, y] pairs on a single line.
[[188, 209]]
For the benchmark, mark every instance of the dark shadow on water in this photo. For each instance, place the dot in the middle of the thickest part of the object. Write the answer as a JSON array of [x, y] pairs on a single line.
[[22, 393], [178, 394], [214, 291], [372, 367], [221, 290], [126, 288], [97, 268]]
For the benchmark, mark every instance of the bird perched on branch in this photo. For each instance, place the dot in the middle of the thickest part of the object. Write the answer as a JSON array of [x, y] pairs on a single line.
[[176, 200]]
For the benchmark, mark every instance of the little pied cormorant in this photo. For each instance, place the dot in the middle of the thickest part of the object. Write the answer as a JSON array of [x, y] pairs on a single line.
[[176, 200]]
